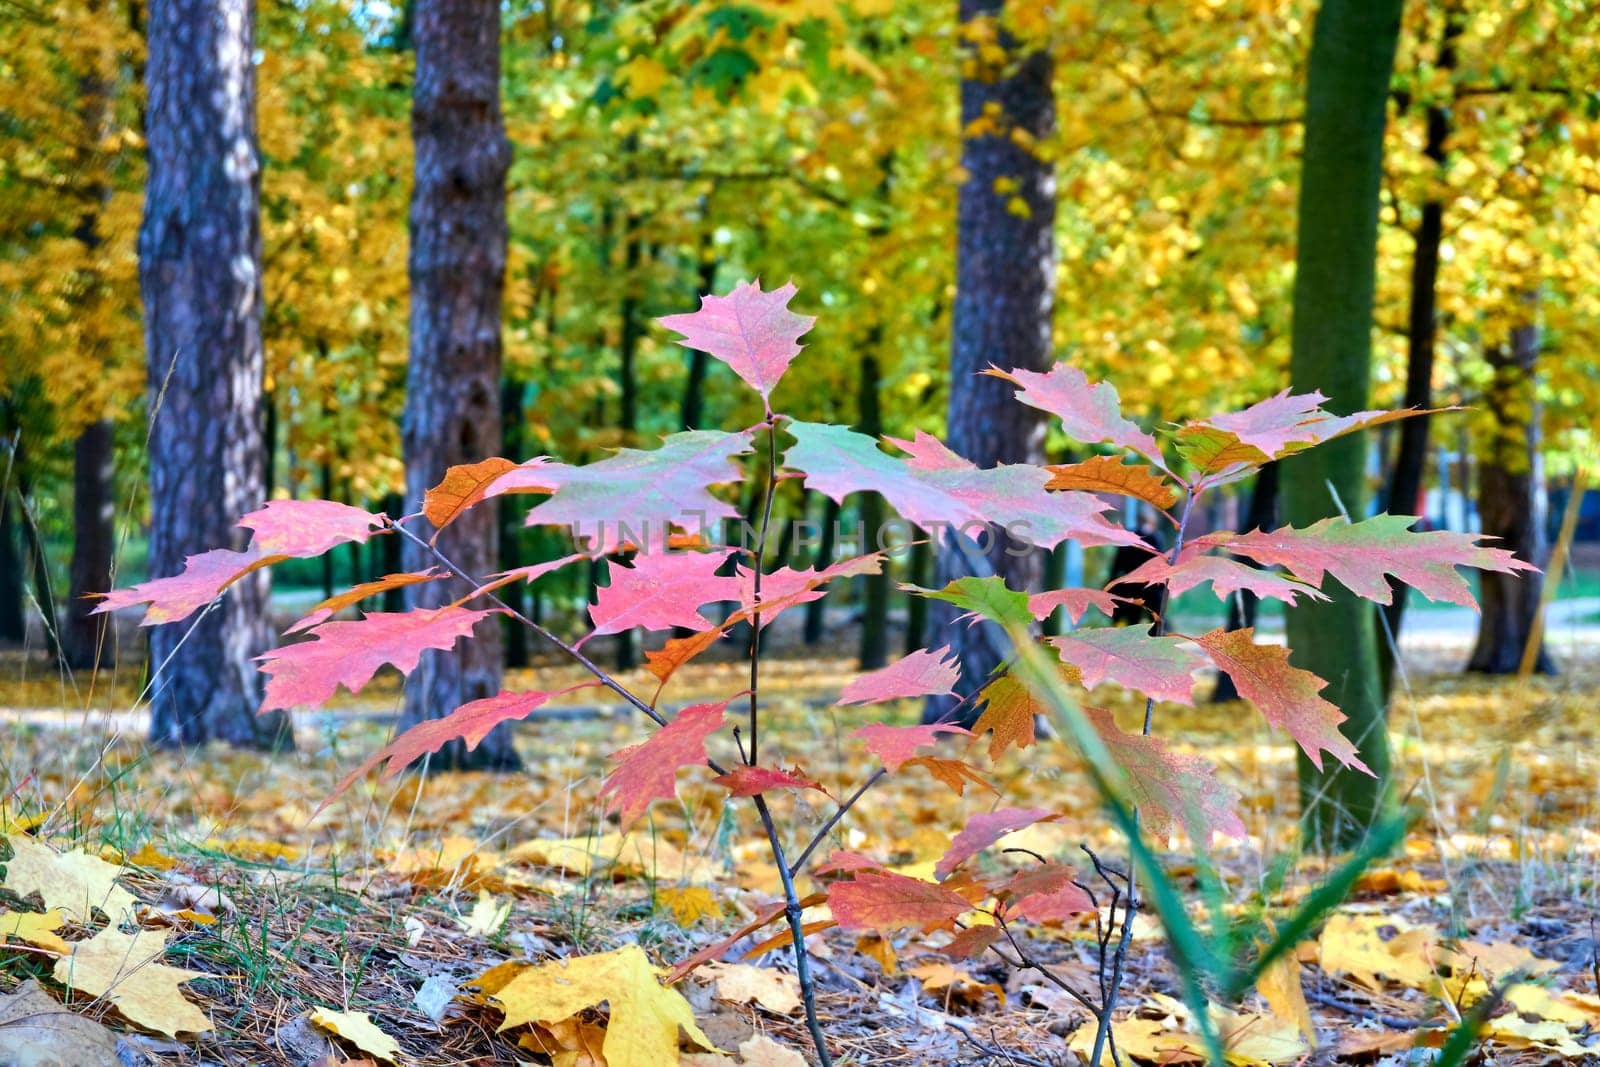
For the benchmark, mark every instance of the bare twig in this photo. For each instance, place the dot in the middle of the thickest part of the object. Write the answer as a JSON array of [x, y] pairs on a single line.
[[994, 1051]]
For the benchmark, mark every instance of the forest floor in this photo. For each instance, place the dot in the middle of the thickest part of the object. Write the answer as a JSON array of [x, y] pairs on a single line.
[[408, 903]]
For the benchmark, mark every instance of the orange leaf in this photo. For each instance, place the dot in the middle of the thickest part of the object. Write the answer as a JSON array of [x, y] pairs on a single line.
[[1108, 474], [649, 771], [887, 902]]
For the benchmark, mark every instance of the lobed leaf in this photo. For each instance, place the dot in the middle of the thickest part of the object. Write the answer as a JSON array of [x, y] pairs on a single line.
[[1090, 414], [1108, 474], [649, 771], [748, 781], [925, 672], [894, 745], [1227, 576], [886, 903], [355, 594], [662, 590], [1169, 788], [753, 332], [1276, 427], [306, 528], [1129, 656], [202, 580], [983, 830]]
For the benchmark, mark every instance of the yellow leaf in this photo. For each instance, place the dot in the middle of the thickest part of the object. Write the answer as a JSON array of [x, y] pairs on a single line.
[[72, 882], [760, 1050], [689, 904], [1516, 1032], [1356, 945], [151, 858], [358, 1029], [741, 983], [126, 970], [643, 76], [486, 915], [36, 928], [1279, 985], [646, 1016]]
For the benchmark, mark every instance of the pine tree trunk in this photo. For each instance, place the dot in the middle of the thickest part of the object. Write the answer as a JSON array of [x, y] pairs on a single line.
[[1422, 327], [1005, 294], [457, 268], [1512, 506], [13, 620], [200, 280], [1347, 92], [85, 638]]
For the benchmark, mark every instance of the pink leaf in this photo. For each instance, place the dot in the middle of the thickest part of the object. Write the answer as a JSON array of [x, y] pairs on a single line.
[[635, 496], [984, 829], [1088, 413], [785, 588], [357, 593], [753, 332], [1160, 667], [305, 528], [649, 771], [1227, 576], [1286, 696], [1076, 601], [1278, 426], [926, 672], [202, 580], [893, 745], [886, 902], [521, 574], [748, 781], [662, 590], [349, 653], [843, 860], [1047, 893], [1360, 555], [471, 722], [1169, 788], [838, 461]]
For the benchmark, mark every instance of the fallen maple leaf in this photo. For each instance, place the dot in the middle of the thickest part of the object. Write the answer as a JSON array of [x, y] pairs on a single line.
[[72, 882], [1286, 696], [741, 983], [925, 672], [37, 1031], [887, 902], [648, 772], [358, 1028], [753, 332], [983, 830], [645, 1016], [125, 969], [37, 928], [1129, 656], [307, 674]]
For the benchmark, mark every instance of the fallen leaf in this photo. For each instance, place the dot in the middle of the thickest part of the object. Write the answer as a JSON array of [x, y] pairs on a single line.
[[761, 1051], [358, 1029], [37, 928], [486, 916], [37, 1031], [72, 882], [126, 970], [741, 983]]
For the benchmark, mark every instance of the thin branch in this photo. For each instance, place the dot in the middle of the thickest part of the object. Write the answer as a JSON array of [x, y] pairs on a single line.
[[797, 931], [833, 820]]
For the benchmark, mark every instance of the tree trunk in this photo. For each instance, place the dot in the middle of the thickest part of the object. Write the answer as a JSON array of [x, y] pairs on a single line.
[[1347, 92], [85, 638], [1243, 606], [200, 279], [1005, 288], [874, 650], [1512, 506], [511, 511], [457, 269], [1422, 327], [816, 617], [694, 382], [630, 330], [13, 620]]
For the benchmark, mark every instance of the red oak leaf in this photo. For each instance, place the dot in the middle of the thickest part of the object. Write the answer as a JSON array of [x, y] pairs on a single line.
[[973, 942], [356, 593], [1361, 554], [838, 461], [648, 772], [1077, 602], [521, 574], [893, 745], [955, 773], [842, 860], [1088, 413], [471, 722], [1227, 576], [753, 332], [635, 496], [926, 452], [926, 672], [349, 653], [202, 580], [748, 781], [885, 902], [662, 590], [305, 528], [1009, 711], [1278, 426], [1108, 474], [1047, 893], [467, 484], [983, 830], [1160, 667], [1169, 788], [1286, 696]]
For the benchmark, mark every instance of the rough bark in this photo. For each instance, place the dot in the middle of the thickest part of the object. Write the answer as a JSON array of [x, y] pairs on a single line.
[[1512, 506], [1411, 457], [85, 638], [200, 280], [1352, 59], [457, 270], [1005, 285]]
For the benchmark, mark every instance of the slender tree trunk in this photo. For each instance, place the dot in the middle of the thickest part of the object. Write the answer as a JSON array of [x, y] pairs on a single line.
[[631, 329], [694, 382], [38, 565], [512, 511], [1512, 506], [1243, 606], [13, 620], [874, 650], [85, 638], [457, 268], [1422, 327], [200, 279], [1005, 290], [1352, 60]]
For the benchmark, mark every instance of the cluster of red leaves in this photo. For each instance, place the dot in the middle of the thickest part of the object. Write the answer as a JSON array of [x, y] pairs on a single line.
[[640, 501]]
